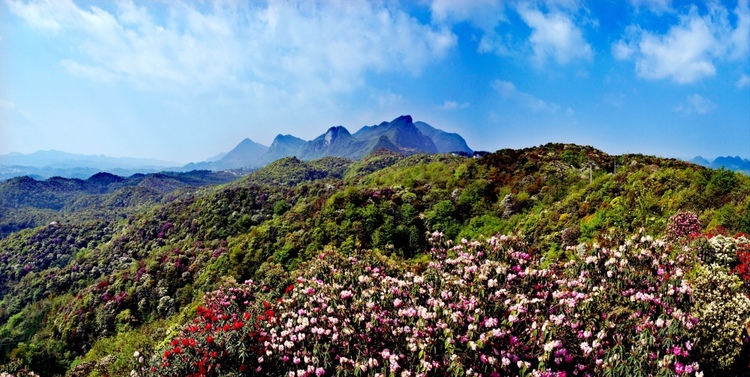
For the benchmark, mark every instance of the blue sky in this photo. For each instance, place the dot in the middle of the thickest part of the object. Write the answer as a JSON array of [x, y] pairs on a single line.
[[183, 81]]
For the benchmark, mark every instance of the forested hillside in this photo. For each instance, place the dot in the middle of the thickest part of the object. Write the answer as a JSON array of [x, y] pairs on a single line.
[[553, 259], [28, 203]]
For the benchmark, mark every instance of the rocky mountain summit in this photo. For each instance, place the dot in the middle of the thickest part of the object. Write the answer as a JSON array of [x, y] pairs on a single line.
[[402, 135]]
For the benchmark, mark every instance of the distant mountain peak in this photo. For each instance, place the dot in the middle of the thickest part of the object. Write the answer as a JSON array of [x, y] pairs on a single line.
[[333, 133], [401, 135], [699, 160], [285, 140], [444, 141], [735, 163], [404, 119]]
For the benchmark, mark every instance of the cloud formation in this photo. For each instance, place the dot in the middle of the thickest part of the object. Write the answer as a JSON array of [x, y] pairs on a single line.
[[689, 50], [327, 47], [555, 33], [453, 105], [6, 105], [508, 92], [656, 6], [554, 36], [485, 15], [696, 104]]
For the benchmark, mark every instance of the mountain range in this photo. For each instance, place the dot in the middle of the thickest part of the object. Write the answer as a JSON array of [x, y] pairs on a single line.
[[402, 135], [735, 163], [46, 164]]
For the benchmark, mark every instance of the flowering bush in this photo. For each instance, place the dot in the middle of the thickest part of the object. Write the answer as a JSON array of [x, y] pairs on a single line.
[[725, 249], [681, 225], [221, 340], [723, 312], [490, 310], [478, 308], [742, 268]]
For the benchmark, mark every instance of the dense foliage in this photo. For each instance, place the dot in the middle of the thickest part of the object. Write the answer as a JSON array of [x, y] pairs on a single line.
[[83, 295], [28, 203]]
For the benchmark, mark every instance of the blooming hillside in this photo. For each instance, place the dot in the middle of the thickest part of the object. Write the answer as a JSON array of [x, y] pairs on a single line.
[[611, 265], [645, 307]]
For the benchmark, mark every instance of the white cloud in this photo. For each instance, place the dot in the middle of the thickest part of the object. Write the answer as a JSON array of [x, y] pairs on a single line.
[[6, 105], [743, 81], [655, 6], [740, 37], [285, 49], [387, 100], [485, 15], [688, 51], [453, 105], [89, 72], [695, 103], [510, 93], [554, 36]]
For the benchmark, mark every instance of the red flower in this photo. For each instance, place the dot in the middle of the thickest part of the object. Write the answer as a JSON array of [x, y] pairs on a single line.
[[289, 288], [238, 325], [226, 327], [167, 354], [246, 316], [209, 339]]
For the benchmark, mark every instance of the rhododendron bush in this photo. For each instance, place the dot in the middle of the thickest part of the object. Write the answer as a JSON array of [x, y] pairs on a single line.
[[222, 339], [478, 308], [681, 225]]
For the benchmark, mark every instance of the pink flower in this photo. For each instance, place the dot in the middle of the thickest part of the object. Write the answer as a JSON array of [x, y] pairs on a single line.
[[320, 372], [678, 367]]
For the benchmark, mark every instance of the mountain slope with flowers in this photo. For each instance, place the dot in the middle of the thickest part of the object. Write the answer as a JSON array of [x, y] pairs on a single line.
[[333, 267]]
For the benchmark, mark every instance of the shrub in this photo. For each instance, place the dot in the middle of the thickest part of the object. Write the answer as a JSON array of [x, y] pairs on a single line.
[[222, 339], [723, 312], [681, 225], [478, 308]]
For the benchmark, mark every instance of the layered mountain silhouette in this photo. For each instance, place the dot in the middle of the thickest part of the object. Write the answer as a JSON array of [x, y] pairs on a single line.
[[282, 146], [735, 163], [402, 135], [46, 164], [246, 150]]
